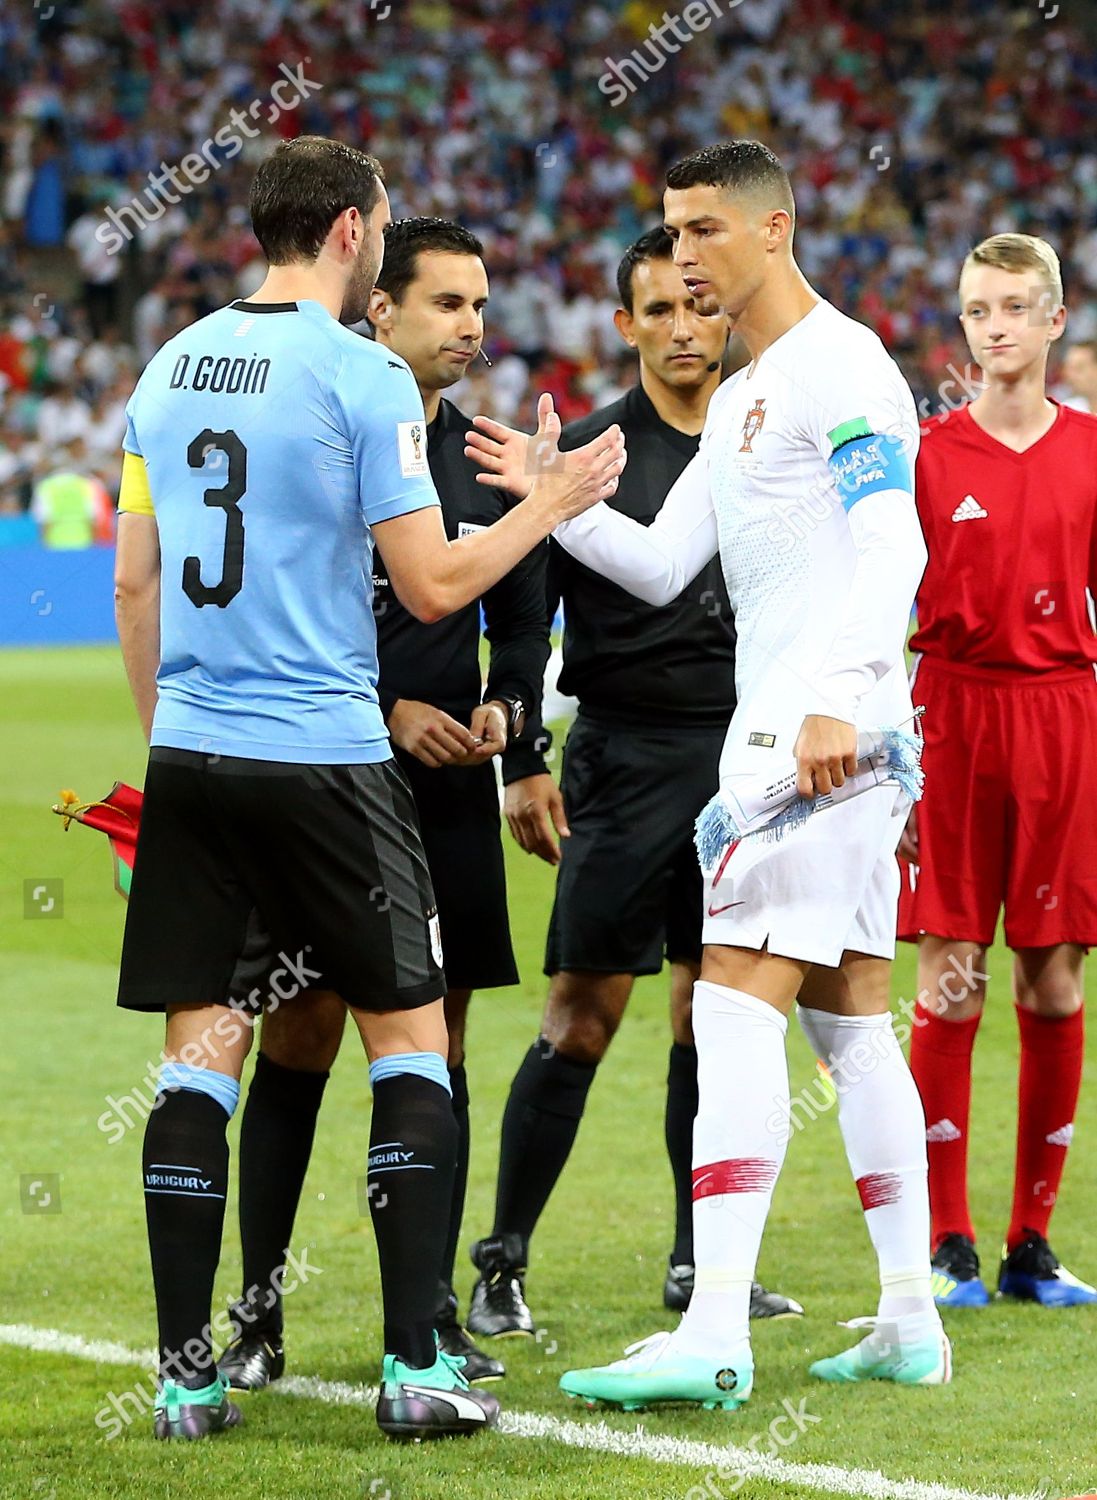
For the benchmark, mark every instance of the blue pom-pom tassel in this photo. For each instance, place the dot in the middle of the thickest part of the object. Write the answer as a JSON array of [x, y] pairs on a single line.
[[905, 762], [716, 828]]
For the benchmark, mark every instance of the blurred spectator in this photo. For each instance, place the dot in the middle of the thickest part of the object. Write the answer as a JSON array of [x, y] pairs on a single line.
[[45, 208], [910, 131], [98, 269], [62, 416], [1080, 375], [73, 508], [18, 462]]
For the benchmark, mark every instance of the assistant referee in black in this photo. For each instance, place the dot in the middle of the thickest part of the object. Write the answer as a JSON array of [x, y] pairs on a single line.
[[427, 307], [655, 690]]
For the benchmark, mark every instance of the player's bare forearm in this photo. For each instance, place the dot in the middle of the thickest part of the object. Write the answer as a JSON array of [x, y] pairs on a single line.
[[433, 576], [137, 609], [474, 563], [138, 620]]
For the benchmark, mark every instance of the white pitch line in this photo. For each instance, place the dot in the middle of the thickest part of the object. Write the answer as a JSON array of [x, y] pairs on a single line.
[[52, 1341], [595, 1436]]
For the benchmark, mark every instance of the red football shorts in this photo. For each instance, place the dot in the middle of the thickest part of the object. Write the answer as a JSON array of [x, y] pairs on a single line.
[[1009, 815]]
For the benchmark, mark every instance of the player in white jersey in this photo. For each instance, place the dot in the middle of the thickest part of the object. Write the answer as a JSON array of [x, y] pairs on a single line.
[[803, 484]]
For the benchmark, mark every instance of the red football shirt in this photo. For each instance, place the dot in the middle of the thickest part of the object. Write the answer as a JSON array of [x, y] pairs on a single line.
[[1012, 545]]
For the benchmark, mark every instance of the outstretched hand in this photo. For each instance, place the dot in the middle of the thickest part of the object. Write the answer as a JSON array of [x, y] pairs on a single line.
[[514, 461], [502, 453]]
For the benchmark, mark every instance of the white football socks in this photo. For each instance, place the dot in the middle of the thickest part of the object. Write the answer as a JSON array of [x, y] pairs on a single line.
[[884, 1131], [739, 1140]]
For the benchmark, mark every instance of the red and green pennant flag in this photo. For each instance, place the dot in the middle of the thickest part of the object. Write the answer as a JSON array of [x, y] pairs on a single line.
[[118, 816]]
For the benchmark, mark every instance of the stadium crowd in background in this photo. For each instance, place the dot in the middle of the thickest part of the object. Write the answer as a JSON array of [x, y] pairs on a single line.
[[909, 134]]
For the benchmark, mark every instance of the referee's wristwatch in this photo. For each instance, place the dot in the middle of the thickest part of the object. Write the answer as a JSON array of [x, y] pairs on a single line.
[[516, 713]]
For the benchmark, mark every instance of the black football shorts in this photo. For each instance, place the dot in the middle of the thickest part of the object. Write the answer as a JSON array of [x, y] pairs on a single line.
[[256, 879], [460, 826], [629, 886]]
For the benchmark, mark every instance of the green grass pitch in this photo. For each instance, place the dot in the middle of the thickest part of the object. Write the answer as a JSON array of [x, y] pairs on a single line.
[[1018, 1418]]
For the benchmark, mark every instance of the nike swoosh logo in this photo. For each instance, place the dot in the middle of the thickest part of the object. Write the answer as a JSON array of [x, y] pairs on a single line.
[[461, 1404], [714, 911]]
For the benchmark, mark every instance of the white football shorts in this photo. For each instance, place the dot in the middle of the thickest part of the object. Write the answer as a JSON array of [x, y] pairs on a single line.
[[829, 885]]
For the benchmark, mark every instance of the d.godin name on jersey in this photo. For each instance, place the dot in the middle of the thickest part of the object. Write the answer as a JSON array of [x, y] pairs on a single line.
[[222, 376]]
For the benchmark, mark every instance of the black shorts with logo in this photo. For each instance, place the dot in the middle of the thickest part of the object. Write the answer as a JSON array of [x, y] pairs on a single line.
[[248, 870], [629, 886], [460, 827]]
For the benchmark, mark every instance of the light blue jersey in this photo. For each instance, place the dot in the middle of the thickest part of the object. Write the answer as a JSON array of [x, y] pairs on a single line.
[[273, 438]]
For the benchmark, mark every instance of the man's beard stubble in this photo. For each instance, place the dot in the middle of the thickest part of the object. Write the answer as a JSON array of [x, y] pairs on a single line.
[[356, 296]]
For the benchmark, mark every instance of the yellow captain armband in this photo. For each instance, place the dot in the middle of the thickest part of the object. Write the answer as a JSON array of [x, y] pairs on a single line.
[[135, 497]]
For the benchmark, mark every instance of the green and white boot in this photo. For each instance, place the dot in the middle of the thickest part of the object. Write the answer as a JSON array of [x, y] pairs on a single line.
[[922, 1356], [653, 1372]]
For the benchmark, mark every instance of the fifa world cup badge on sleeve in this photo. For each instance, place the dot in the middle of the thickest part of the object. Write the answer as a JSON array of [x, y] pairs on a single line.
[[412, 437]]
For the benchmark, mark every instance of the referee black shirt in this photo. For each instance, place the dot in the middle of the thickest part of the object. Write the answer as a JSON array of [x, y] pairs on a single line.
[[630, 663], [440, 663]]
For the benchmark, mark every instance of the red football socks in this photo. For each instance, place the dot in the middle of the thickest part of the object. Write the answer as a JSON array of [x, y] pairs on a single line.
[[1051, 1072], [940, 1059]]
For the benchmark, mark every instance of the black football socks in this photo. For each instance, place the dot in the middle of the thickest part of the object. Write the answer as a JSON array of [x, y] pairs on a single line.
[[185, 1168], [412, 1155], [540, 1123], [681, 1111], [276, 1136], [458, 1082]]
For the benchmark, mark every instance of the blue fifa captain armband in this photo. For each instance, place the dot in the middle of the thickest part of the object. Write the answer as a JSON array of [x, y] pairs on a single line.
[[863, 462]]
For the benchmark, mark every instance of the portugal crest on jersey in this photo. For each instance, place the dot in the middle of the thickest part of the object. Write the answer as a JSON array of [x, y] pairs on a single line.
[[752, 424]]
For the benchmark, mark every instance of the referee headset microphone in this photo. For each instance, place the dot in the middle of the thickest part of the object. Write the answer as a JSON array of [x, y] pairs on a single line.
[[714, 365]]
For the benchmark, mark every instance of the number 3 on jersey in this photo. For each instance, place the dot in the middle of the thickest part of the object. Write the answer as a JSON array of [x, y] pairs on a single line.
[[226, 498]]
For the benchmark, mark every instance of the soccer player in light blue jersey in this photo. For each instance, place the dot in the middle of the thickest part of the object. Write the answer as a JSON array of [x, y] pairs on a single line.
[[266, 447]]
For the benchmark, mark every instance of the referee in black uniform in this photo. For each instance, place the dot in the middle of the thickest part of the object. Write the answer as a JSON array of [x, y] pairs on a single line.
[[656, 691], [427, 306]]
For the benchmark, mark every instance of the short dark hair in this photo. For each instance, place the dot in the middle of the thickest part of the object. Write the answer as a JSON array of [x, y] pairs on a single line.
[[302, 188], [407, 239], [655, 244], [737, 166]]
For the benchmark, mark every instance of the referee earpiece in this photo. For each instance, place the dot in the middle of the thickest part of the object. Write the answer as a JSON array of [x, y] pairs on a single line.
[[380, 308]]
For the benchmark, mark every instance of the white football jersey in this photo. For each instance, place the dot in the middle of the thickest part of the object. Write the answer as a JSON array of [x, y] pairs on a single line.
[[792, 449], [803, 481]]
